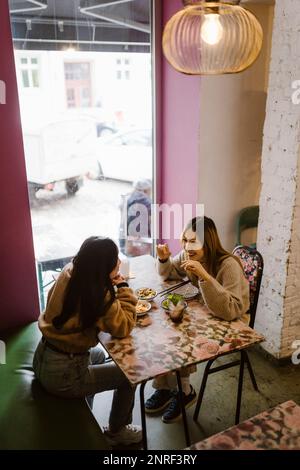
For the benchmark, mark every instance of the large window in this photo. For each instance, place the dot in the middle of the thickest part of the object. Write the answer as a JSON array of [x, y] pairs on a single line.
[[86, 102]]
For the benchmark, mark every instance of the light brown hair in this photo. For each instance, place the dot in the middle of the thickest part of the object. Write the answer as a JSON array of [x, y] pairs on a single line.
[[214, 253]]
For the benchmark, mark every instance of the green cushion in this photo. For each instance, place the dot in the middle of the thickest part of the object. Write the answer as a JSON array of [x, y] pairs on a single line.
[[246, 218], [30, 418]]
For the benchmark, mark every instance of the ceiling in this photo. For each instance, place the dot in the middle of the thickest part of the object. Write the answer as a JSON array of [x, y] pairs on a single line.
[[88, 25]]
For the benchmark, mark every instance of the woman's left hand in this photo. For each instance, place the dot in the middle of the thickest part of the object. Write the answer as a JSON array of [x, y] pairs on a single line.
[[196, 268]]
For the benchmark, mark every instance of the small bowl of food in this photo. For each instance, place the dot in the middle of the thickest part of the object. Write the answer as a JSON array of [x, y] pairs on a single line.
[[142, 307], [172, 300], [146, 293]]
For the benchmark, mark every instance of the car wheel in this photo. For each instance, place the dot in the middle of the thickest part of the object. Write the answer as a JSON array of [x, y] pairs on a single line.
[[106, 132], [72, 186], [32, 190]]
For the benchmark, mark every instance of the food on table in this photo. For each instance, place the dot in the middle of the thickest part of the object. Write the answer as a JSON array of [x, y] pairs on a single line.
[[146, 293], [142, 307], [188, 292], [172, 299], [175, 305], [176, 313]]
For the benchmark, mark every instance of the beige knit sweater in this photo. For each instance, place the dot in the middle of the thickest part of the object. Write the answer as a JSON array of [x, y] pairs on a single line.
[[227, 296], [119, 320]]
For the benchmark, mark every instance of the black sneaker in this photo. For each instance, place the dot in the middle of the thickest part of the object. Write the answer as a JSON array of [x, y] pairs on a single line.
[[158, 401], [173, 412]]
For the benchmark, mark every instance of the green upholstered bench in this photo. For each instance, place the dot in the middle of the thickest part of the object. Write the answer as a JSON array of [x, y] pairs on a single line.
[[31, 418]]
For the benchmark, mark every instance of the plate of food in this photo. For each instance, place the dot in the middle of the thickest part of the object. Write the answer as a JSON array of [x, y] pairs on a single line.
[[146, 293], [172, 300], [188, 291], [142, 307]]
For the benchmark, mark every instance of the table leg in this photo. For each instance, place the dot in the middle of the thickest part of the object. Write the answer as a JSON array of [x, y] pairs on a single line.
[[202, 389], [185, 425], [240, 388], [41, 287], [143, 415]]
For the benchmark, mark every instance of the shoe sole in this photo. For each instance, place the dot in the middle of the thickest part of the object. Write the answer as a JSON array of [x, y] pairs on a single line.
[[179, 417], [157, 410]]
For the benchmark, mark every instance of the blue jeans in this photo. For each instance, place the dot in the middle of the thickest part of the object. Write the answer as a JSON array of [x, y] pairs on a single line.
[[76, 376]]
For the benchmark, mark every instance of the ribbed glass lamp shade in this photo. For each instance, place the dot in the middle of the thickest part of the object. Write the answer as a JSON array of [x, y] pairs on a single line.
[[210, 38], [193, 2]]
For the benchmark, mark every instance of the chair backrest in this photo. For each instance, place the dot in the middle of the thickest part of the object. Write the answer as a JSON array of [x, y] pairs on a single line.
[[246, 218], [253, 265]]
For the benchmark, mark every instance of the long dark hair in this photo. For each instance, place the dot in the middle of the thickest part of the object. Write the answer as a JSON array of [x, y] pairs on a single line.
[[207, 233], [89, 282]]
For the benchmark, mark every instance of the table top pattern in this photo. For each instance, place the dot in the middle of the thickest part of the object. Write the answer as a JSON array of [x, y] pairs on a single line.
[[157, 345], [275, 429]]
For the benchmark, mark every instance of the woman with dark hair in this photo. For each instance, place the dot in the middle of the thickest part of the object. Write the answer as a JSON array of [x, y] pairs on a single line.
[[89, 296], [223, 288]]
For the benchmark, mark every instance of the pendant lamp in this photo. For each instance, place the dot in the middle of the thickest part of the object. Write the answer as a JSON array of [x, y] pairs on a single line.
[[212, 37]]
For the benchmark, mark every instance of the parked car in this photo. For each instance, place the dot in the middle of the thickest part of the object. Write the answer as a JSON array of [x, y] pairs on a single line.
[[126, 155], [104, 129], [54, 152], [104, 121]]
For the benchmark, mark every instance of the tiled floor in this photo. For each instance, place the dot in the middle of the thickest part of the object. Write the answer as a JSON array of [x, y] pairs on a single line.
[[276, 383]]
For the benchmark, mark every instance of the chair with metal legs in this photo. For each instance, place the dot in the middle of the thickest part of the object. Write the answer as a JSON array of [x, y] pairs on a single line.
[[55, 264], [252, 262]]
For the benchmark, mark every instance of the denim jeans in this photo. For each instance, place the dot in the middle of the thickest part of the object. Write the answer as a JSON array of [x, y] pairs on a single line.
[[75, 376]]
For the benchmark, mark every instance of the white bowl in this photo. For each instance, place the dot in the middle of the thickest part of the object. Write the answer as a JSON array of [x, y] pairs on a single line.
[[143, 297], [147, 307]]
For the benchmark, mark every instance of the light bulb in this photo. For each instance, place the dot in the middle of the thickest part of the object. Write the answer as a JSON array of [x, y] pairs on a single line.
[[212, 30], [70, 48]]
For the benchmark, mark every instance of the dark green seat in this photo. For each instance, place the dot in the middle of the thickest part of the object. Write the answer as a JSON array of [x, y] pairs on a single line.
[[246, 218], [30, 418]]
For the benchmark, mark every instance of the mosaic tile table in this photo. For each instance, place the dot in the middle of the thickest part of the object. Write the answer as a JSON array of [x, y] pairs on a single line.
[[157, 345]]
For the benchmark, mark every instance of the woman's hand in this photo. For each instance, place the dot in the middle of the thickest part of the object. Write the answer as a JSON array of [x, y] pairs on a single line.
[[118, 280], [163, 252], [196, 268]]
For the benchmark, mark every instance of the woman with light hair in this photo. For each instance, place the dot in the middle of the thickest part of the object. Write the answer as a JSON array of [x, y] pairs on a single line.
[[223, 288]]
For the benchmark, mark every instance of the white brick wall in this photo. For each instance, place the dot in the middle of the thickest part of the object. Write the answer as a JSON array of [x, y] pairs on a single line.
[[278, 315], [291, 313]]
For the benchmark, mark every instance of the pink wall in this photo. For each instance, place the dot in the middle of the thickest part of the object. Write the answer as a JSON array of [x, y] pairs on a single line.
[[180, 131], [18, 285], [179, 183]]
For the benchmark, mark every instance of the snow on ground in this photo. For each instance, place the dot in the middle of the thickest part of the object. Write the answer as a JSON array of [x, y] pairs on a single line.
[[61, 223]]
